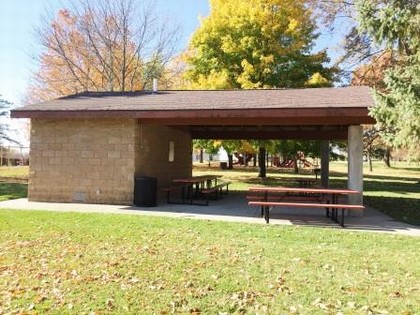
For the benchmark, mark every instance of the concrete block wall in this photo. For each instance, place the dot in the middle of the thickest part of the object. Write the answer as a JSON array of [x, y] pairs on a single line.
[[91, 161], [153, 153]]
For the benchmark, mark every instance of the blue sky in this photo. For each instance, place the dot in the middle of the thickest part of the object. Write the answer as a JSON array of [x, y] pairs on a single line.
[[18, 43]]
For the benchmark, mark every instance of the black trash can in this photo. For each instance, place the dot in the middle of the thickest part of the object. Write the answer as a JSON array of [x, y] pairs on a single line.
[[223, 165], [145, 189]]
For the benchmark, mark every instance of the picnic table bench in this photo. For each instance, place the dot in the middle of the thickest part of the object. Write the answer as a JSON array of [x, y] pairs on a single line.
[[316, 198], [197, 188], [217, 190]]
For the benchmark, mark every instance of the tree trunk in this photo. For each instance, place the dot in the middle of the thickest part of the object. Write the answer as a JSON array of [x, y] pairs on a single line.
[[201, 156], [230, 161], [295, 165], [387, 158], [254, 161], [370, 162], [261, 163]]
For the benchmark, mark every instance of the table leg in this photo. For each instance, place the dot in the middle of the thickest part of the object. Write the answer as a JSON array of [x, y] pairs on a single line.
[[263, 208], [342, 217], [334, 214], [191, 193], [183, 194], [267, 214], [327, 210]]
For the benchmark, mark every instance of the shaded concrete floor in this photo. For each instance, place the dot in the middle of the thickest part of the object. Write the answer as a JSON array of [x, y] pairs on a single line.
[[233, 208]]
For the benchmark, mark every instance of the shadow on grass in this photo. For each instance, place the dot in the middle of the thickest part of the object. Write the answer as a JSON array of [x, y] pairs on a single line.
[[391, 186], [13, 191], [402, 209], [390, 177], [377, 177], [410, 169]]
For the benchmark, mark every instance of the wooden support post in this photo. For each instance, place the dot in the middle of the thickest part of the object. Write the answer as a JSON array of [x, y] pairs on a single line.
[[325, 163], [261, 162]]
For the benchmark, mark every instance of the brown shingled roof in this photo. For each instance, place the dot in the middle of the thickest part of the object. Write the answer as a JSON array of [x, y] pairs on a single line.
[[204, 100], [323, 113], [298, 107]]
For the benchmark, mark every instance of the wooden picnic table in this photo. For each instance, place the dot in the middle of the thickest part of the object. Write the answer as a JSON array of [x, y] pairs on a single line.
[[302, 181], [197, 187], [202, 180], [327, 198]]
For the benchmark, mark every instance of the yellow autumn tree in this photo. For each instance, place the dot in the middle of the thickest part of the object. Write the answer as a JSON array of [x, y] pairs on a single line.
[[255, 44]]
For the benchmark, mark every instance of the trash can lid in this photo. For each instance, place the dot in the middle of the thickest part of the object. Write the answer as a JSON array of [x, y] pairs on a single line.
[[145, 178]]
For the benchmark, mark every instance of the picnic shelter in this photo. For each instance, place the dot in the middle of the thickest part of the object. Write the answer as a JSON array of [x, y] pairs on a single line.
[[89, 147]]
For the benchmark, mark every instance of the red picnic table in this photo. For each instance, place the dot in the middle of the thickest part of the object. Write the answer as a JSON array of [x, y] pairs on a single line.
[[299, 197]]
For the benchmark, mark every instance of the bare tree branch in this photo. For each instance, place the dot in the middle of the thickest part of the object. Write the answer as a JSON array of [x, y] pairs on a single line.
[[104, 45]]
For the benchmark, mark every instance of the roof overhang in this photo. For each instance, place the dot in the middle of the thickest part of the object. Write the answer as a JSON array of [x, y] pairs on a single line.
[[303, 116], [236, 114]]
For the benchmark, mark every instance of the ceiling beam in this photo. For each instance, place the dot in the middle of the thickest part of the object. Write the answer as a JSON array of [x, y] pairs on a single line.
[[271, 135]]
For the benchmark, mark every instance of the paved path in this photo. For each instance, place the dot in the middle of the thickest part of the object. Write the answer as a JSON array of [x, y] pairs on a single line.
[[232, 208]]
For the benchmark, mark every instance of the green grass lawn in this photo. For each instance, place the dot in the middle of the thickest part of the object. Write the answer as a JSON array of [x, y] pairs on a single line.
[[13, 182], [14, 171], [71, 263], [12, 191]]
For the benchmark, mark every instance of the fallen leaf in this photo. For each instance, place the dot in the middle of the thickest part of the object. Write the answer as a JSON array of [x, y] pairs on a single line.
[[395, 294], [195, 311], [109, 304]]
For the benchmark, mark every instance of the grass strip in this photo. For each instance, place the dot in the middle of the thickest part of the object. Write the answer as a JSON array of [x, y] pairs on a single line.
[[72, 263]]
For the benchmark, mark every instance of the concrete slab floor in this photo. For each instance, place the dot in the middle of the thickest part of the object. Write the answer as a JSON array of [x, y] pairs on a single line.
[[232, 208]]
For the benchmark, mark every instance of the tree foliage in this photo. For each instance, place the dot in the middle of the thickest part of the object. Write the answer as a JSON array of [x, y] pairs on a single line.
[[338, 18], [372, 74], [102, 46], [255, 44], [210, 146], [296, 150], [4, 127], [395, 24]]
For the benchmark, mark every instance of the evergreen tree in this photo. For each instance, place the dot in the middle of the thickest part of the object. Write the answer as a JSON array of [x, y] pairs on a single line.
[[396, 24], [4, 128]]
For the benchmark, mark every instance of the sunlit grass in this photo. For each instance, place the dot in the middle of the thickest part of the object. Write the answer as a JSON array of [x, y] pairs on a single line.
[[71, 263], [14, 171]]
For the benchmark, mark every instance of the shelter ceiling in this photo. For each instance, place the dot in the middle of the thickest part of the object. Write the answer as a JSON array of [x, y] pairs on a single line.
[[262, 132]]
